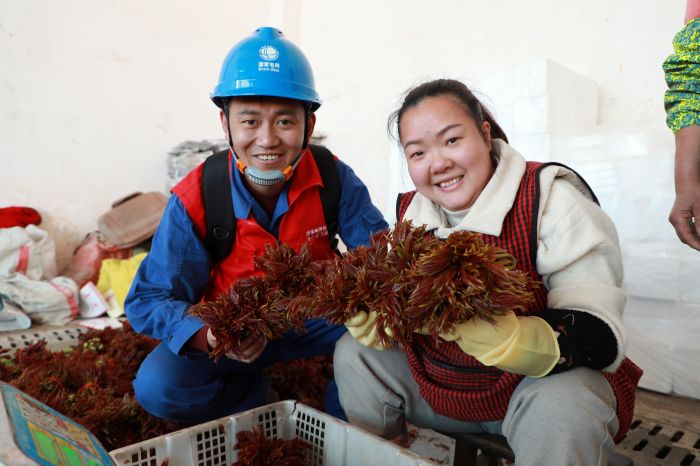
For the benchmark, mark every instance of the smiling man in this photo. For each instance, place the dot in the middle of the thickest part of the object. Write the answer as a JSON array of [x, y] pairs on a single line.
[[267, 101]]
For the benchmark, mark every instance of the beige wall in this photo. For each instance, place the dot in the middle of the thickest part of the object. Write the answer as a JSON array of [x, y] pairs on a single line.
[[367, 55], [94, 93]]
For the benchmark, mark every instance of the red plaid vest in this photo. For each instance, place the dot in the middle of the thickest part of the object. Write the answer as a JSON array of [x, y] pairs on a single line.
[[457, 385]]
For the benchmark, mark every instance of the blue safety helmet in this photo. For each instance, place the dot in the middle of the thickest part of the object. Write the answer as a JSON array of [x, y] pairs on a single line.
[[266, 64]]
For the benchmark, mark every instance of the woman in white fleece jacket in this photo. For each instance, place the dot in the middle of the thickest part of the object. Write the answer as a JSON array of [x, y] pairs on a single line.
[[555, 382]]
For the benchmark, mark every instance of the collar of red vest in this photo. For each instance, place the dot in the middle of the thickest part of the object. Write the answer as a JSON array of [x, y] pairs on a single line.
[[306, 175]]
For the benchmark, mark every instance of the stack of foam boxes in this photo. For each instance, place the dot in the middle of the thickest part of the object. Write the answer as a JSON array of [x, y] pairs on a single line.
[[663, 315], [634, 183], [539, 104], [550, 113]]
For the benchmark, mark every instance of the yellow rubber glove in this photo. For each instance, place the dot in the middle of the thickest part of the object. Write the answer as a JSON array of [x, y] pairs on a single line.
[[521, 345], [361, 326]]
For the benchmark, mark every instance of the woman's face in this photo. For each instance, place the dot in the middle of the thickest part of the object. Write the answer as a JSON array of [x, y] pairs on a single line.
[[448, 155]]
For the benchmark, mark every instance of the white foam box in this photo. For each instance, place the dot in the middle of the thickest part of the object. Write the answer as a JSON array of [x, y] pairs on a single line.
[[662, 340], [652, 270], [540, 99], [662, 270], [333, 442], [532, 146], [613, 163]]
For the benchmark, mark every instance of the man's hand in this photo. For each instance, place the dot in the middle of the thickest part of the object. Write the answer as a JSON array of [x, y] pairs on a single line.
[[248, 351], [685, 214]]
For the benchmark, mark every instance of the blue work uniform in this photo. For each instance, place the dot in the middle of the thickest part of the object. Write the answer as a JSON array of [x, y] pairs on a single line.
[[178, 383]]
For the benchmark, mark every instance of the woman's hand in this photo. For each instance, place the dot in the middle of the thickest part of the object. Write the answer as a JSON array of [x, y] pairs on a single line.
[[362, 327], [685, 214], [519, 344]]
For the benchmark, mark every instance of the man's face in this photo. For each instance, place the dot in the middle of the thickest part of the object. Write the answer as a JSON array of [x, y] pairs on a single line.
[[267, 133]]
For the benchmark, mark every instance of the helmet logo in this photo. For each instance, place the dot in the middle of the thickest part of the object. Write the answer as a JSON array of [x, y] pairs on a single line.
[[268, 52]]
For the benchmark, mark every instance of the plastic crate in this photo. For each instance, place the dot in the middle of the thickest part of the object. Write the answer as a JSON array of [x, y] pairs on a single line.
[[333, 442], [57, 338]]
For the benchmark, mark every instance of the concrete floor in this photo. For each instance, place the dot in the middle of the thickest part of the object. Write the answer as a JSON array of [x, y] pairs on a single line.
[[666, 431]]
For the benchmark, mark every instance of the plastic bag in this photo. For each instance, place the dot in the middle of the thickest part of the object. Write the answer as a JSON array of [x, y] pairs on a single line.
[[23, 253], [86, 261], [117, 275], [12, 318]]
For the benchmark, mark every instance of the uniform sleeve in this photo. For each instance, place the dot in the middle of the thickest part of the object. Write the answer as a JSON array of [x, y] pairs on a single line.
[[579, 258], [358, 218], [170, 279], [682, 70]]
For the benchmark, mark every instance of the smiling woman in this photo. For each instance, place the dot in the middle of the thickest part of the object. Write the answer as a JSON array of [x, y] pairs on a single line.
[[570, 340], [447, 153], [446, 135]]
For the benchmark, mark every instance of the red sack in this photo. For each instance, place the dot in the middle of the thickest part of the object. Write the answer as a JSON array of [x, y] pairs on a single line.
[[87, 258]]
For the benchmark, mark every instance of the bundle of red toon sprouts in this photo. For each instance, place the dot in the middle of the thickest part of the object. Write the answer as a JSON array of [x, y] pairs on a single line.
[[411, 279]]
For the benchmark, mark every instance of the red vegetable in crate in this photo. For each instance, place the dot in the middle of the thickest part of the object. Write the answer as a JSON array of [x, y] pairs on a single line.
[[90, 384], [255, 449], [304, 380]]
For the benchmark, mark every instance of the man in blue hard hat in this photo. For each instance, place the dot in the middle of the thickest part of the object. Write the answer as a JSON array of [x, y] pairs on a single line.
[[267, 99]]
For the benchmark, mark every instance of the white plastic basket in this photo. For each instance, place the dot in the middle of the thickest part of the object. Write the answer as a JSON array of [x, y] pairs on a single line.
[[57, 338], [333, 442]]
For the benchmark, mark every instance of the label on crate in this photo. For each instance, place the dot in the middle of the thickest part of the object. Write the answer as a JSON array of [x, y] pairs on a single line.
[[47, 436]]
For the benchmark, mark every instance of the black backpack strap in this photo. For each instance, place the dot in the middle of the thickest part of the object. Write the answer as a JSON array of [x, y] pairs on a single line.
[[330, 192], [403, 200], [218, 206]]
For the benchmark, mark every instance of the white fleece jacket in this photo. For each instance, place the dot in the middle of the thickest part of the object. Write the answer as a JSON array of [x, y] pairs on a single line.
[[578, 253]]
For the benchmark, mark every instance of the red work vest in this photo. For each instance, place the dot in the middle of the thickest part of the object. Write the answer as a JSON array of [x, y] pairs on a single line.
[[303, 222], [455, 384]]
